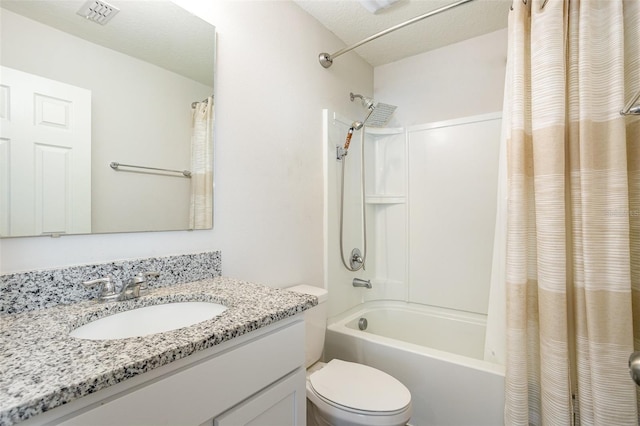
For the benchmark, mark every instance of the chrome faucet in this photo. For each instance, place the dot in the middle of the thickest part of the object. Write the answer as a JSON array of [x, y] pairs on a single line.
[[130, 290], [357, 282], [107, 288]]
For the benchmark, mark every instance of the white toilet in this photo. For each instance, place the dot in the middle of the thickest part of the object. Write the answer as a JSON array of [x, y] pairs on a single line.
[[341, 393]]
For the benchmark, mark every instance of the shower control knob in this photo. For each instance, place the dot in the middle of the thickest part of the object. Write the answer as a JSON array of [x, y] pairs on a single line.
[[356, 260]]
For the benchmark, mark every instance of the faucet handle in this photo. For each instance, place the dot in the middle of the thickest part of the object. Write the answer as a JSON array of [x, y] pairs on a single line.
[[141, 278], [107, 287]]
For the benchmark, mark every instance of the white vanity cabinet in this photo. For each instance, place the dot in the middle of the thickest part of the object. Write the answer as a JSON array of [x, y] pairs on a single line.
[[255, 379], [270, 407]]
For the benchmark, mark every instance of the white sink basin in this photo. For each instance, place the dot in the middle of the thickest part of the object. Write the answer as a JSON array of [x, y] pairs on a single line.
[[148, 320]]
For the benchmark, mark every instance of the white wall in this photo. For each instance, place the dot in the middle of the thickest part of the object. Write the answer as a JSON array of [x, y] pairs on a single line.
[[459, 80], [268, 202]]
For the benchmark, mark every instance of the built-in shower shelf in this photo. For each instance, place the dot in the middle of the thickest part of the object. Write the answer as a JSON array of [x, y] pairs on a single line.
[[385, 199], [384, 131]]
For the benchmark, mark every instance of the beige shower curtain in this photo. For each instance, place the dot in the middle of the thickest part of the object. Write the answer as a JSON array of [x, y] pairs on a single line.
[[573, 239], [201, 212]]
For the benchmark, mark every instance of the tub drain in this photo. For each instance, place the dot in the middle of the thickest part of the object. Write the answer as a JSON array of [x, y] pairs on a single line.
[[362, 323]]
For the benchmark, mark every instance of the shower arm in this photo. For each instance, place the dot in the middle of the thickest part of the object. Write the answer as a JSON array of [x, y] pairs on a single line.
[[326, 59]]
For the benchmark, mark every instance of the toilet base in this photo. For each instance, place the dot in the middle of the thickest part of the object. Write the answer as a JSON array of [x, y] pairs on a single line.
[[316, 418], [313, 418]]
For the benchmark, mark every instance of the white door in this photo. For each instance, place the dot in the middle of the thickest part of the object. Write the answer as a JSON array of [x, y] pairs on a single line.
[[45, 156]]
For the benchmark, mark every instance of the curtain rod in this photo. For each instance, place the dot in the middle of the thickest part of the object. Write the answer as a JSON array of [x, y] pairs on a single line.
[[326, 60]]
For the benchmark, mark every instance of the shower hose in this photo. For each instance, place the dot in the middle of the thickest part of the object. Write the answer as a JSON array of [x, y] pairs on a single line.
[[364, 213]]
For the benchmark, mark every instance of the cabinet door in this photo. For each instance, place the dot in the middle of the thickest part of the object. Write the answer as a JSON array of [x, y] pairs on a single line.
[[281, 404]]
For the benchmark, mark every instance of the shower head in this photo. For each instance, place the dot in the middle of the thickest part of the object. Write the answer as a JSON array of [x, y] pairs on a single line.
[[377, 116], [379, 113]]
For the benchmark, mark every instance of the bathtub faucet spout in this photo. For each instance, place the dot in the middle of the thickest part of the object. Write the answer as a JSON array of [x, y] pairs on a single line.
[[357, 282]]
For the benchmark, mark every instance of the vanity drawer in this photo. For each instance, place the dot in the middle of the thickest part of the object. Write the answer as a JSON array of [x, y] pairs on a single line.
[[282, 403]]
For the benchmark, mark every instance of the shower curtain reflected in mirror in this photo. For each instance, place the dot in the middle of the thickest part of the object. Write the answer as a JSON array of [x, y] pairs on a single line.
[[201, 210]]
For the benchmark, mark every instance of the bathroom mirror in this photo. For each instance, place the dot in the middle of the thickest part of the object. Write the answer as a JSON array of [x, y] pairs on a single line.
[[77, 95]]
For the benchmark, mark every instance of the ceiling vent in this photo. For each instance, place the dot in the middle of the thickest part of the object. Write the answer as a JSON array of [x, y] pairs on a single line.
[[98, 11]]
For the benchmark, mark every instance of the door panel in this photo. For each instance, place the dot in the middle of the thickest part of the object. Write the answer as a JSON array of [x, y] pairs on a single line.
[[45, 186]]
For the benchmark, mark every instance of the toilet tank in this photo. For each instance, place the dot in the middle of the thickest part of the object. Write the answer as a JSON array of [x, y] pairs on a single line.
[[315, 322]]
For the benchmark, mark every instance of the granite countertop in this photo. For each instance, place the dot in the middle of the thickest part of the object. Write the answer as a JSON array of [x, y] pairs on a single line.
[[42, 367]]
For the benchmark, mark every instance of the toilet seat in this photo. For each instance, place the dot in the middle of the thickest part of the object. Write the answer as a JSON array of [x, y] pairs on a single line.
[[359, 394]]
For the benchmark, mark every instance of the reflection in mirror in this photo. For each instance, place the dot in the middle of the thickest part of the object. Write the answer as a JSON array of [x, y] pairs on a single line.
[[76, 96]]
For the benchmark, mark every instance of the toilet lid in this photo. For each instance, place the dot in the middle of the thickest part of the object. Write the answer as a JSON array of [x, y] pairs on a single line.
[[359, 387]]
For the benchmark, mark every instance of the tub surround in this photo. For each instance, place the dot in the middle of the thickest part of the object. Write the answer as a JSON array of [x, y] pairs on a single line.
[[27, 291], [42, 367]]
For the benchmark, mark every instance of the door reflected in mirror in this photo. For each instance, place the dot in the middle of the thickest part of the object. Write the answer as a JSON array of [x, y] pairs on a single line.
[[76, 96]]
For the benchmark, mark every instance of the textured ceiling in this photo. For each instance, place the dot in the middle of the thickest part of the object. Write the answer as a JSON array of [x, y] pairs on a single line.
[[149, 32], [159, 32], [351, 22]]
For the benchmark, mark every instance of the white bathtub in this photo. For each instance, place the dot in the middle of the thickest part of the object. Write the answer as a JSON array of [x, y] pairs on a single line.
[[436, 353]]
